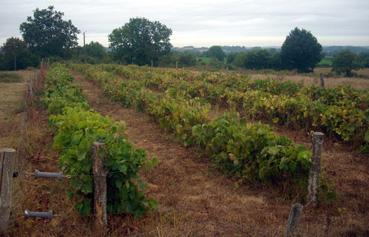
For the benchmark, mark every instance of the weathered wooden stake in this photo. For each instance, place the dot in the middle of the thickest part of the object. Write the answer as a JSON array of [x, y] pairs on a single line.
[[30, 88], [99, 174], [314, 174], [293, 219], [7, 160], [321, 80]]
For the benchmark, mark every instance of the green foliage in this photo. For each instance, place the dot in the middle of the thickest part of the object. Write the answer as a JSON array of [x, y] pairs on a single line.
[[240, 59], [364, 59], [47, 34], [95, 50], [258, 59], [186, 60], [344, 62], [301, 51], [179, 115], [215, 52], [14, 55], [248, 151], [92, 53], [60, 93], [341, 112], [252, 151], [77, 128], [140, 41]]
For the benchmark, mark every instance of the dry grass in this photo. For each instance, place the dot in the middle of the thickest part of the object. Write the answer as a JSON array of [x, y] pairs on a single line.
[[10, 77], [313, 79], [42, 194], [35, 151], [308, 79], [11, 108]]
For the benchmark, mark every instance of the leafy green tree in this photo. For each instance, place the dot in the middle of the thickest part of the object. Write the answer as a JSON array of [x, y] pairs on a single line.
[[364, 59], [186, 59], [47, 34], [230, 58], [301, 51], [92, 53], [275, 60], [216, 52], [239, 60], [345, 62], [258, 59], [15, 55], [140, 41], [95, 50]]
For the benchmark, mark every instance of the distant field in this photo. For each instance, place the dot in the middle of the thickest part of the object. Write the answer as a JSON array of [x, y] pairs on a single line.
[[325, 62], [10, 77], [313, 78]]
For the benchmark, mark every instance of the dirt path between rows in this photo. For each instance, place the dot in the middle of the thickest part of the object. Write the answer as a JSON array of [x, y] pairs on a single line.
[[196, 200]]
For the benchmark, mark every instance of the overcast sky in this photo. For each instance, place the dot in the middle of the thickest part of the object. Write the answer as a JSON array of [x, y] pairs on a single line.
[[208, 22]]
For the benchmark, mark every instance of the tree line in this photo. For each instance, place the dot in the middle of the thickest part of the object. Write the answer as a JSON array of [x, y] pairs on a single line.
[[47, 35], [143, 42]]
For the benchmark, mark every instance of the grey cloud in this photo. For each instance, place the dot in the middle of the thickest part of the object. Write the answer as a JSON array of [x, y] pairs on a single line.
[[206, 22]]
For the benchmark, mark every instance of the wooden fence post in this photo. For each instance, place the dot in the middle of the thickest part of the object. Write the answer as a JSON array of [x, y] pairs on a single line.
[[321, 80], [314, 174], [293, 219], [99, 174], [7, 160]]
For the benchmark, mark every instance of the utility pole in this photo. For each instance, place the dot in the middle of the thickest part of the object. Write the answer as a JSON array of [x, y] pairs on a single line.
[[15, 55], [84, 38], [15, 62]]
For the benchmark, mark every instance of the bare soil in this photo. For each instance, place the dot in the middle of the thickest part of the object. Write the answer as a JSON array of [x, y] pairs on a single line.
[[197, 200]]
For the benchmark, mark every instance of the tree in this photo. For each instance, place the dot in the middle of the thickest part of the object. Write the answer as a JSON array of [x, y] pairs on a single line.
[[239, 60], [364, 59], [230, 58], [301, 51], [15, 55], [216, 52], [275, 60], [186, 59], [94, 51], [47, 34], [344, 62], [140, 41], [258, 59]]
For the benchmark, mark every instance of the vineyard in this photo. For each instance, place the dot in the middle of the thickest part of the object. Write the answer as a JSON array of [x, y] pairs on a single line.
[[342, 112], [250, 151], [183, 147], [205, 125]]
